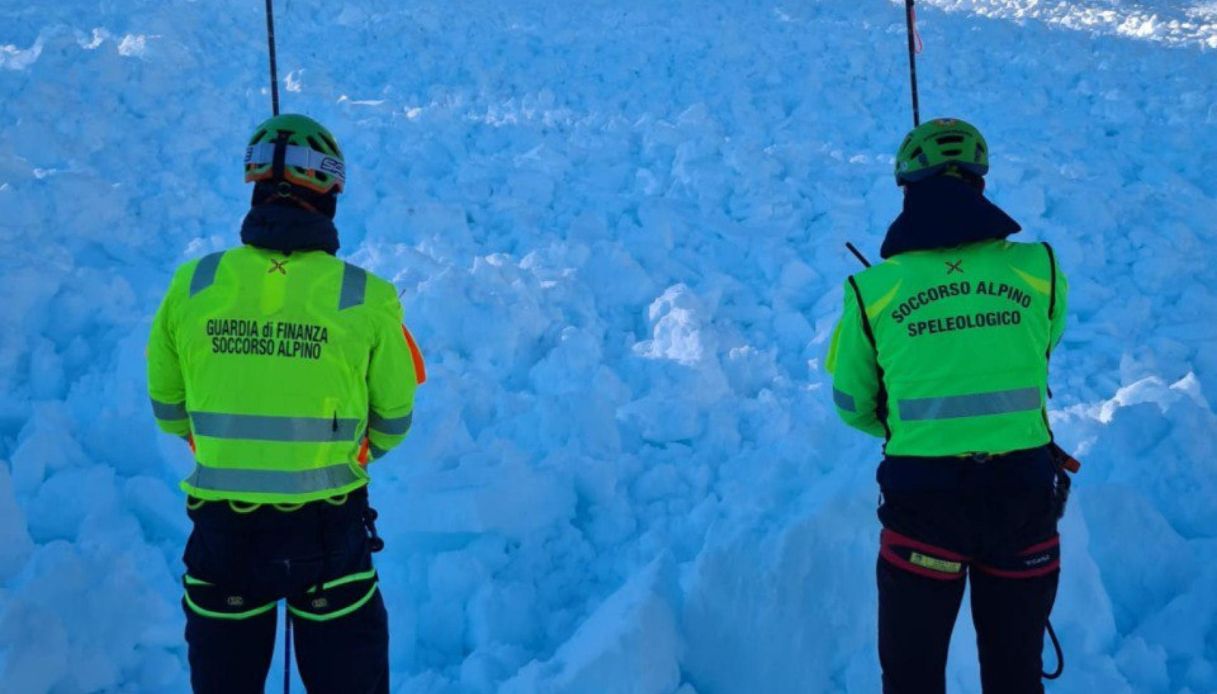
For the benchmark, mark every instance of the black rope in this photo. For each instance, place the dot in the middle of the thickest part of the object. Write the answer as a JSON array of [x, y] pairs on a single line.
[[909, 19], [1060, 655], [274, 70]]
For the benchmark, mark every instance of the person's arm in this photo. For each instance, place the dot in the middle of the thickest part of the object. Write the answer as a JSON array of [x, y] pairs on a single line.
[[395, 370], [851, 362], [166, 387]]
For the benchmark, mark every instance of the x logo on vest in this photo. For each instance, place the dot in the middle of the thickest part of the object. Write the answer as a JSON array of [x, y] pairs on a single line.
[[954, 267], [276, 265]]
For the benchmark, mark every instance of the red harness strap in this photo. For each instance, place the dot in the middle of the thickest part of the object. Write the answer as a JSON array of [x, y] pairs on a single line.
[[921, 558], [1037, 560], [941, 564]]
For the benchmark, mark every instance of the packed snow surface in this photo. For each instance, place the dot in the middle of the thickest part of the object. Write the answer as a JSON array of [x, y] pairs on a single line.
[[1175, 22], [618, 228]]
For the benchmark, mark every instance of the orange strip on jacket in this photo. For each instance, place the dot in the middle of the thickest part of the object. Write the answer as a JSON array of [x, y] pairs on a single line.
[[420, 367]]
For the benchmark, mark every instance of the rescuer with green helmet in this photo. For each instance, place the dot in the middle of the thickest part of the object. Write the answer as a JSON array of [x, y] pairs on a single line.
[[288, 371], [942, 351]]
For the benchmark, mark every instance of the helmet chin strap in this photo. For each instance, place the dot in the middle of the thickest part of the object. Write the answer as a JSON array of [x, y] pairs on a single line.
[[286, 191]]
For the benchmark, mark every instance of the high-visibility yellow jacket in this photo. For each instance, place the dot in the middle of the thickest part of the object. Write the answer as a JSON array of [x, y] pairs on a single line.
[[945, 352], [285, 371]]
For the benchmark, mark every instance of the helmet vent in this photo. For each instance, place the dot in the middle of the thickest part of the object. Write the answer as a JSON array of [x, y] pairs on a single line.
[[939, 146], [332, 145], [315, 162]]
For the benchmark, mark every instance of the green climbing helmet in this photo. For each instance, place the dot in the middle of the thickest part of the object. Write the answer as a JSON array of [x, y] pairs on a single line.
[[938, 146], [311, 157]]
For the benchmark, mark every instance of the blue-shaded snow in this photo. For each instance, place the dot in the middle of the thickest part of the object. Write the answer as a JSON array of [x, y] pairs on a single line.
[[618, 227]]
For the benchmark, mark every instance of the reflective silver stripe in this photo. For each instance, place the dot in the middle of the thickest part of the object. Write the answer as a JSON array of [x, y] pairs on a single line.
[[354, 282], [975, 405], [168, 411], [393, 427], [376, 452], [205, 272], [267, 428], [272, 481], [844, 400]]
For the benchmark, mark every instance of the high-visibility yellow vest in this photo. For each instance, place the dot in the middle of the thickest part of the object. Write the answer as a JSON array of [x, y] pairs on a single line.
[[282, 369], [945, 352]]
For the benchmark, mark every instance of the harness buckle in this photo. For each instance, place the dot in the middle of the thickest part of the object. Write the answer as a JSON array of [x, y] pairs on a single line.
[[375, 543]]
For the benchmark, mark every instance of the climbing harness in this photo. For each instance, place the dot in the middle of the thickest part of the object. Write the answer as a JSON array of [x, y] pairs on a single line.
[[375, 544]]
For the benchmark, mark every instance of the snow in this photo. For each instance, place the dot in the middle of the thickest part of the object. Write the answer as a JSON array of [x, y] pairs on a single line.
[[1173, 22], [619, 229]]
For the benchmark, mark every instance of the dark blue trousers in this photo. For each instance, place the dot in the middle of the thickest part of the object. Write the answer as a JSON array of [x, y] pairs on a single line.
[[318, 559]]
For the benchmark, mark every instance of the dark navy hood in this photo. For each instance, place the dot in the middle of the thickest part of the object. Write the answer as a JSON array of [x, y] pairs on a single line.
[[944, 212], [287, 228]]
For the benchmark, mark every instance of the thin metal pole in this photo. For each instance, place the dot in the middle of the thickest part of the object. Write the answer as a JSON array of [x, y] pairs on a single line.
[[857, 254], [274, 69], [909, 18]]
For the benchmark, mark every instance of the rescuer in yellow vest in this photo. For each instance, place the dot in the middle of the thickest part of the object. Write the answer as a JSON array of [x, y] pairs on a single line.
[[942, 350], [288, 371]]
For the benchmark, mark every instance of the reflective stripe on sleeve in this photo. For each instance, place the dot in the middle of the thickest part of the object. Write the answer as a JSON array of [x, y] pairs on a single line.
[[168, 411], [272, 481], [354, 282], [974, 405], [393, 427], [844, 400], [376, 452], [268, 428], [205, 272]]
